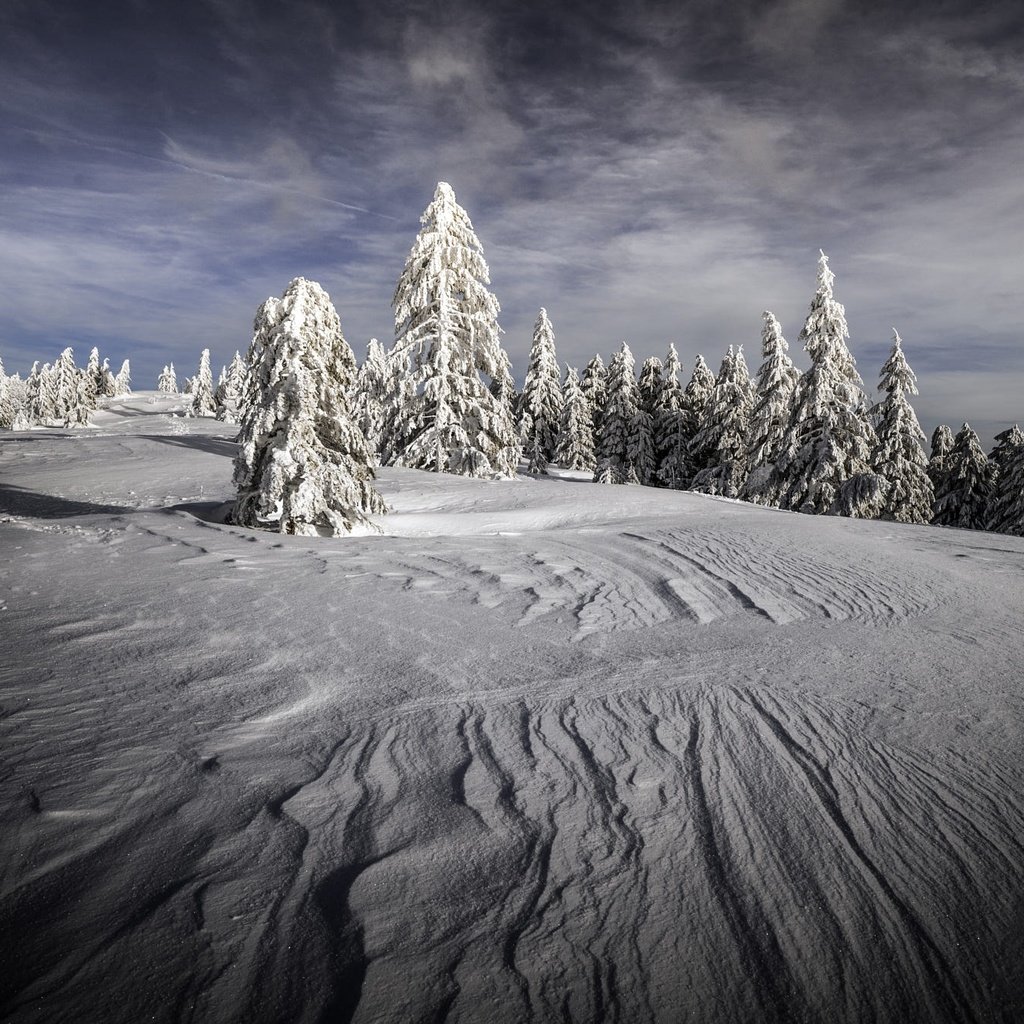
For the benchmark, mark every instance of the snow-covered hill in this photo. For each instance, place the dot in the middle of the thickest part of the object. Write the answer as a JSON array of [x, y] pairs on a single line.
[[545, 751]]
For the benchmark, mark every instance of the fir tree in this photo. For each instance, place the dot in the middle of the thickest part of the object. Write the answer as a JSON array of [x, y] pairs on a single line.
[[371, 385], [938, 462], [724, 433], [446, 335], [1006, 508], [594, 384], [203, 403], [769, 418], [94, 371], [540, 405], [65, 379], [303, 464], [107, 387], [899, 453], [123, 380], [168, 382], [670, 439], [696, 398], [824, 460], [575, 449], [7, 410], [617, 441], [968, 486]]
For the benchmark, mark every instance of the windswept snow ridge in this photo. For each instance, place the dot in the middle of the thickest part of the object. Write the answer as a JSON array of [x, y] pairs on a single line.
[[548, 751]]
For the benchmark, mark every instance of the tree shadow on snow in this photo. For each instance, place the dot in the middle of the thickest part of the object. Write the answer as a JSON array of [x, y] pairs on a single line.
[[17, 501], [198, 442]]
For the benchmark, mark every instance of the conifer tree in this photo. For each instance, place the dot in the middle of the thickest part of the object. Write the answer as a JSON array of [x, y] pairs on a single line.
[[13, 402], [168, 382], [696, 398], [964, 501], [540, 405], [371, 386], [938, 462], [1006, 508], [203, 403], [670, 438], [64, 380], [649, 385], [446, 335], [617, 441], [228, 396], [503, 386], [7, 410], [899, 453], [123, 380], [724, 433], [824, 461], [94, 371], [303, 464], [774, 387], [575, 449], [593, 384], [34, 399], [107, 386]]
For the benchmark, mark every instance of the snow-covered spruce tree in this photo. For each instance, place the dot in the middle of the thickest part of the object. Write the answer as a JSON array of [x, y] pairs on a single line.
[[696, 398], [724, 433], [540, 404], [7, 410], [670, 439], [616, 442], [203, 403], [649, 385], [575, 448], [594, 384], [93, 370], [228, 395], [64, 380], [368, 407], [1003, 449], [824, 461], [1006, 507], [774, 387], [968, 485], [168, 382], [938, 461], [899, 453], [446, 335], [107, 386], [13, 402], [303, 464], [503, 385], [34, 397], [123, 380]]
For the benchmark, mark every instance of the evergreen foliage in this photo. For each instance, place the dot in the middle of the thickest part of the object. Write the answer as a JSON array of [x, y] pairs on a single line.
[[618, 440], [168, 382], [938, 462], [1006, 509], [123, 380], [203, 403], [227, 398], [371, 386], [303, 465], [540, 405], [723, 436], [696, 397], [967, 488], [594, 385], [575, 448], [670, 437]]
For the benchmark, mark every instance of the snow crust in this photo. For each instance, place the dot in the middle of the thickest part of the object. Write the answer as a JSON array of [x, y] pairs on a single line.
[[544, 751]]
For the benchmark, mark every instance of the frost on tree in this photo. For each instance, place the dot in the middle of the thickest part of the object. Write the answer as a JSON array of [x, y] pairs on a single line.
[[168, 382], [123, 380], [371, 388], [724, 435], [670, 437], [938, 461], [303, 465], [575, 449], [446, 336], [1006, 508], [203, 403], [773, 398], [108, 382], [824, 463], [593, 384], [967, 489], [696, 397], [899, 453], [616, 443], [540, 404], [227, 398]]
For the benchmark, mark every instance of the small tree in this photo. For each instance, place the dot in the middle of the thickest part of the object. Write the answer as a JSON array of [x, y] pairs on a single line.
[[594, 385], [696, 397], [303, 465], [371, 386], [723, 437], [938, 462], [168, 382], [670, 438], [968, 486], [107, 387], [575, 449], [65, 380], [540, 405], [203, 403], [1006, 509], [616, 445], [123, 380]]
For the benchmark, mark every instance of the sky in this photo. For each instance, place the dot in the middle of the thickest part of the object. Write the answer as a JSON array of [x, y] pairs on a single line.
[[649, 172]]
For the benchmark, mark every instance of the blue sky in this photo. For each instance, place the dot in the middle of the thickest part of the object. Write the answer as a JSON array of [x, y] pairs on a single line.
[[650, 173]]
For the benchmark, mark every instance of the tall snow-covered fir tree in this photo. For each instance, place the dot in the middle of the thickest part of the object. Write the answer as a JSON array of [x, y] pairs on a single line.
[[594, 385], [724, 434], [899, 453], [670, 437], [94, 370], [446, 335], [774, 386], [964, 500], [617, 441], [66, 380], [123, 380], [824, 462], [540, 404], [503, 385], [203, 403], [371, 388], [107, 387], [303, 465], [649, 384], [1006, 505], [938, 461], [7, 409], [696, 398], [168, 382], [575, 448], [227, 398]]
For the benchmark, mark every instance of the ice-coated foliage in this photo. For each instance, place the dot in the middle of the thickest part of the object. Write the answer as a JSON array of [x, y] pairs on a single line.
[[540, 405], [774, 386], [696, 396], [203, 403], [303, 465], [123, 380], [649, 385], [227, 398], [594, 385], [670, 437], [1006, 508], [967, 488], [575, 448], [107, 386], [94, 370], [503, 386], [938, 461], [829, 439], [446, 335], [67, 391], [13, 402], [723, 436], [617, 441], [371, 389], [168, 382], [899, 453]]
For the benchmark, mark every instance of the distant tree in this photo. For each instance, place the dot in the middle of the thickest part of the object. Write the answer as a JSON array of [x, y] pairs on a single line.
[[94, 371], [123, 380], [593, 384], [503, 386], [303, 465], [1006, 507], [696, 397], [13, 402], [575, 449], [938, 462], [446, 335], [649, 385], [670, 437], [203, 403], [107, 385], [371, 388], [7, 409], [964, 501], [227, 398], [616, 446], [824, 462], [65, 379], [168, 382], [899, 452], [769, 418], [540, 405], [723, 436]]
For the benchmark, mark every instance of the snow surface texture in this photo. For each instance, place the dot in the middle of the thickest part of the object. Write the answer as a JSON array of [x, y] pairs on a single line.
[[547, 751]]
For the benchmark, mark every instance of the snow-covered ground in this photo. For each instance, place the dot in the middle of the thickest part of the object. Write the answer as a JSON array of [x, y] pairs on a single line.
[[545, 751]]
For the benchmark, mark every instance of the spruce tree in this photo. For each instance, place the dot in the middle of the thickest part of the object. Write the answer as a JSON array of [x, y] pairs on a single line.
[[107, 387], [899, 453], [575, 448], [123, 380], [938, 462], [371, 384], [303, 464], [824, 460], [968, 485], [670, 438], [617, 441], [446, 335], [203, 403], [228, 396], [594, 385], [1006, 507], [540, 405], [7, 410], [94, 371], [724, 433], [696, 398], [64, 379], [774, 387], [168, 382]]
